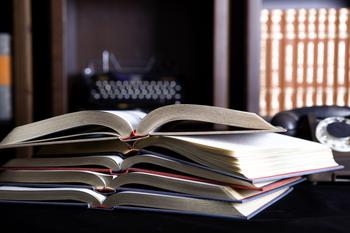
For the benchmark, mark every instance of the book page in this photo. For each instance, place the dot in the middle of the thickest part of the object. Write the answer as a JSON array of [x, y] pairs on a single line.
[[134, 117], [252, 141], [50, 194], [108, 161], [193, 205], [95, 179], [122, 123], [200, 113]]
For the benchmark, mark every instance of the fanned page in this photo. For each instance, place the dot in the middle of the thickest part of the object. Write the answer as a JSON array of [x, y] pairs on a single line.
[[255, 156], [245, 121], [94, 199], [243, 145], [194, 205], [133, 118], [66, 127]]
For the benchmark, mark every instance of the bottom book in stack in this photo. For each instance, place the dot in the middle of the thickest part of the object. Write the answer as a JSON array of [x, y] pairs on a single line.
[[145, 198], [113, 182]]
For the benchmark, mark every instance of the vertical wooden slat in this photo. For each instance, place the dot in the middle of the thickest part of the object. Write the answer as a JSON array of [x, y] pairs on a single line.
[[59, 68], [347, 57], [23, 83], [282, 62], [336, 55], [295, 59], [221, 52], [268, 64], [325, 62]]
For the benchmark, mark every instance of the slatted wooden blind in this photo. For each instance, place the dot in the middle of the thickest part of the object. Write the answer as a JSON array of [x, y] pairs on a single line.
[[304, 59]]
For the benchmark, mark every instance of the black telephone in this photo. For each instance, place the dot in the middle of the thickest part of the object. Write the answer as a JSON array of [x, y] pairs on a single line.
[[127, 88], [329, 125]]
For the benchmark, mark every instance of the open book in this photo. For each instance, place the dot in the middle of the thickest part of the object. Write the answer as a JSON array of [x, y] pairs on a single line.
[[253, 157], [116, 164], [155, 200], [99, 125], [144, 178], [155, 161], [256, 156]]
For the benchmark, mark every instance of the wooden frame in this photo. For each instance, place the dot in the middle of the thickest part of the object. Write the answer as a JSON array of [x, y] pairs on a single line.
[[253, 54], [221, 52], [59, 46], [23, 82], [23, 67]]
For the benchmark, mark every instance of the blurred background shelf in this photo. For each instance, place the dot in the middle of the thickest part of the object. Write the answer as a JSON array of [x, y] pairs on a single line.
[[53, 41]]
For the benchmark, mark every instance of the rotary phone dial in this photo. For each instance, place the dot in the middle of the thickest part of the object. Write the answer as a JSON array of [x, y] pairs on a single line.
[[334, 132]]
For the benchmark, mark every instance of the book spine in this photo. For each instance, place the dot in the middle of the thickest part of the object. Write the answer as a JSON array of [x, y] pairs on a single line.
[[5, 78]]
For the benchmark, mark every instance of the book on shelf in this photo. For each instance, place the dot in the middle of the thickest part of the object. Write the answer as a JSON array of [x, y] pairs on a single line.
[[140, 198], [5, 78]]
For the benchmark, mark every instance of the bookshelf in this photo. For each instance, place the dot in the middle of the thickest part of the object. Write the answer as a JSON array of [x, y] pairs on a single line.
[[5, 29], [295, 54], [15, 20]]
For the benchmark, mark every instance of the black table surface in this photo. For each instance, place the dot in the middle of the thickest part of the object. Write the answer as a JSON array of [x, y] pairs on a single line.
[[309, 208]]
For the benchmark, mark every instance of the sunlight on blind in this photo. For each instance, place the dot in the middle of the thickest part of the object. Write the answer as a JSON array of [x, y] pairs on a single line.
[[304, 59]]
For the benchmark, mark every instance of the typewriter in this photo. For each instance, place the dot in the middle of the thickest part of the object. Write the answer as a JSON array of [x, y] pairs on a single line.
[[118, 87]]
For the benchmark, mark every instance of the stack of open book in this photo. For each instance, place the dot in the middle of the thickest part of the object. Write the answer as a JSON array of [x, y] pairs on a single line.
[[185, 158]]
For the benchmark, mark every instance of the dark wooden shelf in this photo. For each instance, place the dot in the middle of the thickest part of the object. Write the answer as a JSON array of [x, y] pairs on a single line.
[[186, 34]]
